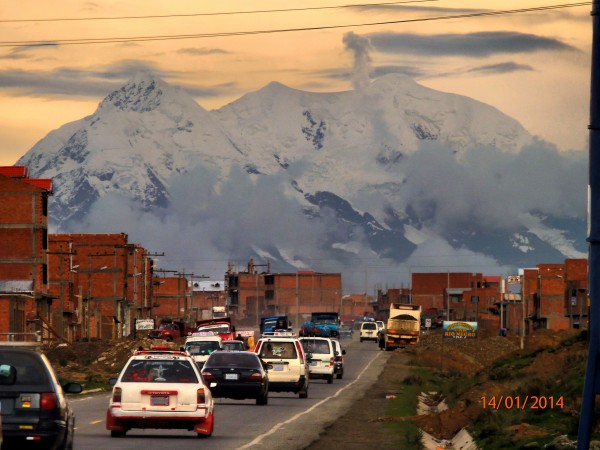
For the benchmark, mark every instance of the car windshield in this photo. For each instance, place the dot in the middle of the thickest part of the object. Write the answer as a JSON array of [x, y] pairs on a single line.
[[316, 346], [325, 319], [233, 345], [284, 350], [28, 368], [201, 347], [218, 329], [246, 360], [159, 371]]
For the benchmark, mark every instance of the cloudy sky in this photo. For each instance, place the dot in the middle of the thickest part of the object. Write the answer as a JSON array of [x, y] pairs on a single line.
[[58, 63]]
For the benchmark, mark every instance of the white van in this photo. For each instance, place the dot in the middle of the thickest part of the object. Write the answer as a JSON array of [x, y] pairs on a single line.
[[322, 362], [200, 346], [368, 331]]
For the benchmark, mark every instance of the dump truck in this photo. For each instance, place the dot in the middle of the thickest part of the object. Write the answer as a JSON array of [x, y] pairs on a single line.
[[323, 324], [403, 327]]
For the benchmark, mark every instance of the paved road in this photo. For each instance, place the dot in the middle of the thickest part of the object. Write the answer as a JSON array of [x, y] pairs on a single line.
[[287, 422]]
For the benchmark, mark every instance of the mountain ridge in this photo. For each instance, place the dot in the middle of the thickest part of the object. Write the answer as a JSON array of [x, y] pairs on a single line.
[[365, 167]]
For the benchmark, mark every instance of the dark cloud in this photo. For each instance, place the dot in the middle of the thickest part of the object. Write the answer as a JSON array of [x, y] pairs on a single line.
[[412, 72], [471, 45], [202, 51], [90, 83], [27, 51], [506, 67]]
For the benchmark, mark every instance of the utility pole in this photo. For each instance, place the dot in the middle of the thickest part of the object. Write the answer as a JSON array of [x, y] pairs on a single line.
[[592, 372], [61, 319]]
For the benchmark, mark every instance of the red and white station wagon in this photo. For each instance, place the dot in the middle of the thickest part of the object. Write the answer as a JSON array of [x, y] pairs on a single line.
[[160, 389]]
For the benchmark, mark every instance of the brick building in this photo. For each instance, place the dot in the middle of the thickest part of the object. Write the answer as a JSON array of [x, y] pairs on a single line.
[[252, 294], [171, 299], [387, 297], [25, 303], [205, 296], [459, 295], [103, 284]]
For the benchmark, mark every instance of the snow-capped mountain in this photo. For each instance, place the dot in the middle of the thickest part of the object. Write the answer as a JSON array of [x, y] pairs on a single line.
[[302, 177]]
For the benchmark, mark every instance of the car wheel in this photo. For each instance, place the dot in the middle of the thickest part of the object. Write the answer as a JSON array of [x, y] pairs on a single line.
[[204, 436], [339, 375], [330, 379], [263, 399], [303, 394], [117, 433], [361, 339]]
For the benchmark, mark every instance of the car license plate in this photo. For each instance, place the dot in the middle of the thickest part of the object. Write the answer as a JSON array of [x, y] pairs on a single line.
[[231, 376], [314, 363], [159, 401], [278, 367]]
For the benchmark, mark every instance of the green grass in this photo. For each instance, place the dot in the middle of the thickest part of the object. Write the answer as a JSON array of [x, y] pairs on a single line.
[[490, 430]]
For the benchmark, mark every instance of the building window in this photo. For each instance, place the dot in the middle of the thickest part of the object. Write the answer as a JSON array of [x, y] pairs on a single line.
[[269, 280], [45, 238], [45, 273], [44, 204], [269, 294]]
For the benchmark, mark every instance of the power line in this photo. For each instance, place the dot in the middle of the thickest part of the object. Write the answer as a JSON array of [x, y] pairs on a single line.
[[85, 41], [224, 13]]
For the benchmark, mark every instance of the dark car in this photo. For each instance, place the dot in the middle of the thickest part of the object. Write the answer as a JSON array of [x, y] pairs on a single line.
[[237, 375], [35, 410]]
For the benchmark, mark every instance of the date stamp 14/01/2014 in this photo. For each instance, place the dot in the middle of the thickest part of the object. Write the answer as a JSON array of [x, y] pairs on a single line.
[[522, 402]]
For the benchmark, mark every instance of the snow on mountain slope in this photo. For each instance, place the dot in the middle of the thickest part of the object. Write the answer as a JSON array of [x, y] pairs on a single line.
[[381, 171], [139, 136]]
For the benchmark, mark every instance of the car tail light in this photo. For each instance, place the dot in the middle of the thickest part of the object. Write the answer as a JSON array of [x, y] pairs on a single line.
[[48, 400], [331, 361], [300, 351], [116, 397], [256, 376], [208, 376], [200, 397]]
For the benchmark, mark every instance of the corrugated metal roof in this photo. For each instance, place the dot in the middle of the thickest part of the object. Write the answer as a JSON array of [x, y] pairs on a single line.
[[40, 182], [16, 286], [14, 171]]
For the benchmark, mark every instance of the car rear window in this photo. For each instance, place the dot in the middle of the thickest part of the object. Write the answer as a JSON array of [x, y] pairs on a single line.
[[316, 346], [159, 371], [283, 350], [369, 326], [29, 368], [233, 360]]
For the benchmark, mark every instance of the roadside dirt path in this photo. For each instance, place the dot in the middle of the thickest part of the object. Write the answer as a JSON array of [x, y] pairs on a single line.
[[358, 428]]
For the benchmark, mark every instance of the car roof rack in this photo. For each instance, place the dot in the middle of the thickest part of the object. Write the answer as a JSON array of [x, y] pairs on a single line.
[[290, 334], [27, 340]]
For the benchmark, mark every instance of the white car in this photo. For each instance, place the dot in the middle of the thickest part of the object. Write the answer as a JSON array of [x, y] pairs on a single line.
[[339, 359], [201, 345], [322, 357], [290, 372], [160, 389]]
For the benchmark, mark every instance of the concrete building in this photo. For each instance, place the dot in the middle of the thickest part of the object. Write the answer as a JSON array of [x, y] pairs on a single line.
[[25, 303]]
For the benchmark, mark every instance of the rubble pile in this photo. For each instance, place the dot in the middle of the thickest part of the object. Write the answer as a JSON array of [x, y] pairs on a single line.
[[96, 361]]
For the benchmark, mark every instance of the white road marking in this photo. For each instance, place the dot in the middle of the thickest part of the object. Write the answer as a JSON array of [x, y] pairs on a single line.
[[258, 439]]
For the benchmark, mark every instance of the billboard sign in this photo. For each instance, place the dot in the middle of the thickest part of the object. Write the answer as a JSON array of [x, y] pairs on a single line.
[[459, 330], [144, 324]]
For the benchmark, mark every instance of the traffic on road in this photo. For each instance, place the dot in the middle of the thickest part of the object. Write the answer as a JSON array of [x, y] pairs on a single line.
[[279, 394]]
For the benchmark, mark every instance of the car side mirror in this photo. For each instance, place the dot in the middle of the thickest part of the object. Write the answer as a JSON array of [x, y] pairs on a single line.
[[309, 357], [112, 381], [269, 366], [343, 352]]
